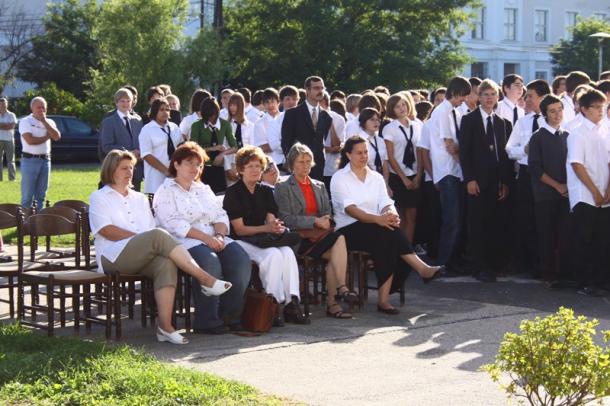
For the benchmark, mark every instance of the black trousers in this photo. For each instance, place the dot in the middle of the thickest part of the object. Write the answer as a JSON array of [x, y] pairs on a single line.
[[214, 176], [385, 246], [486, 228], [552, 219], [428, 226], [527, 250], [591, 243]]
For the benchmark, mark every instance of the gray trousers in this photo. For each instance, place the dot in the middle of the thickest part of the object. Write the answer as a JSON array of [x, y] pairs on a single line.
[[8, 148]]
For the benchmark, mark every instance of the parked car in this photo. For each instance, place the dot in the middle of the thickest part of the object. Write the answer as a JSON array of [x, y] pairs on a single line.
[[78, 142]]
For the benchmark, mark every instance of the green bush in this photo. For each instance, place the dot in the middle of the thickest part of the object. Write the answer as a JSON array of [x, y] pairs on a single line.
[[554, 361], [58, 101]]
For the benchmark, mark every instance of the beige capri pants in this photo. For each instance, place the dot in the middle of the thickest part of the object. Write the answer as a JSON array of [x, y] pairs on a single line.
[[147, 254]]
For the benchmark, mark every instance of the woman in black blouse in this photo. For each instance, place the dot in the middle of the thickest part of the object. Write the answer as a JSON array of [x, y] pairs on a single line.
[[252, 210]]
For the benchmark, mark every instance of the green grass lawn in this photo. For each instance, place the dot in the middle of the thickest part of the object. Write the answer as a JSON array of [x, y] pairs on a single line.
[[68, 181], [35, 369]]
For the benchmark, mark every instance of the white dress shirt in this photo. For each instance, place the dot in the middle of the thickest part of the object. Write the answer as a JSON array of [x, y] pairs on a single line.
[[588, 145], [331, 161], [464, 109], [274, 138], [186, 124], [153, 141], [520, 137], [442, 127], [260, 136], [506, 109], [178, 210], [31, 125], [352, 127], [424, 143], [7, 118], [568, 109], [224, 114], [393, 134], [109, 207], [252, 113], [576, 122], [372, 142], [370, 196]]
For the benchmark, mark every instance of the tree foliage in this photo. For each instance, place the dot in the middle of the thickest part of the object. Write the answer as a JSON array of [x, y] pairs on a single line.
[[139, 43], [207, 62], [352, 44], [66, 51], [554, 361], [582, 52]]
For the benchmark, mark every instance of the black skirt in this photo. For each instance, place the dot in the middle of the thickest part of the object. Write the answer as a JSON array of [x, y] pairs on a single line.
[[214, 176], [317, 249], [385, 246], [403, 197]]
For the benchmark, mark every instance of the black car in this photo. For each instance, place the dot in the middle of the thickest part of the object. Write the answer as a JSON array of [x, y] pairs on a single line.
[[78, 142]]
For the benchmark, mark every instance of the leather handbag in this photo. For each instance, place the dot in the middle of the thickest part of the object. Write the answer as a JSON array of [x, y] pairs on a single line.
[[259, 310], [314, 234], [268, 240]]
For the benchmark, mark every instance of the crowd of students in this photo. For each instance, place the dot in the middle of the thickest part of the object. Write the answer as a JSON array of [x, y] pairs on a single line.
[[482, 179]]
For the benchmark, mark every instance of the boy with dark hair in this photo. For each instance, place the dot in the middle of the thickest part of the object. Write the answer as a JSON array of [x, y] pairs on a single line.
[[573, 80], [472, 100], [512, 87], [225, 95], [260, 136], [589, 192], [548, 150]]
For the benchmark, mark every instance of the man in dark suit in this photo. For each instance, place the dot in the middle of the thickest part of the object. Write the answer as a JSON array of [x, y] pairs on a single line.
[[487, 172], [120, 130], [308, 124]]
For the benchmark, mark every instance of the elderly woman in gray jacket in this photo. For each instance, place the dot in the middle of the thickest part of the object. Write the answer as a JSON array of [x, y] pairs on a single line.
[[304, 206]]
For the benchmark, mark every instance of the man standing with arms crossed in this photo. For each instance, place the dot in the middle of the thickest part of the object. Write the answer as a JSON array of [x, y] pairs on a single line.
[[8, 121]]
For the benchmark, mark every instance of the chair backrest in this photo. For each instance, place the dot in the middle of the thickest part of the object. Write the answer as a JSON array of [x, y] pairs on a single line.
[[83, 208], [64, 211], [74, 204], [14, 209], [52, 224], [7, 220]]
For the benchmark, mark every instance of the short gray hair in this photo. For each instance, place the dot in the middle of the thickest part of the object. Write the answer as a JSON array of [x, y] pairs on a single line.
[[37, 99], [295, 151]]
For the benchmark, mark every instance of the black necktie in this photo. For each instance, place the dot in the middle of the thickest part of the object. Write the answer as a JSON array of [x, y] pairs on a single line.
[[535, 123], [214, 137], [491, 138], [408, 157], [457, 128], [378, 165], [127, 126], [170, 143], [515, 115], [238, 138]]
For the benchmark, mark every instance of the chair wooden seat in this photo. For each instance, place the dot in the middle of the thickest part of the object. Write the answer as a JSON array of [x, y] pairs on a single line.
[[12, 267], [70, 276]]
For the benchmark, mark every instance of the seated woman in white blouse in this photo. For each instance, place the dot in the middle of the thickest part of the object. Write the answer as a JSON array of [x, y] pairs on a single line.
[[190, 211], [127, 241], [366, 216]]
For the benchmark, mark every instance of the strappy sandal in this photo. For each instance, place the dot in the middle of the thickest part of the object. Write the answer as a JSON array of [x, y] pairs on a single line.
[[339, 314], [347, 296]]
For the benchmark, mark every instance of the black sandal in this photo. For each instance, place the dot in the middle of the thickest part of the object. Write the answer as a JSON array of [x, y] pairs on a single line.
[[348, 296], [339, 314]]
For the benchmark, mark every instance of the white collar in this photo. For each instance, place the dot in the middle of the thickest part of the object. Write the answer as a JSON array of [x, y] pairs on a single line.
[[215, 125], [122, 115], [485, 115], [108, 190], [310, 107], [509, 103], [590, 125], [550, 129]]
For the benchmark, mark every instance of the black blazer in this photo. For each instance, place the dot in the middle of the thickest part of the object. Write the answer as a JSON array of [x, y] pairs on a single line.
[[477, 162], [297, 126]]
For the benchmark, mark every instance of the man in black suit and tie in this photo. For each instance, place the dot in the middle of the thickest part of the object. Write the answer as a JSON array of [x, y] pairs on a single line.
[[487, 172], [120, 130], [308, 124]]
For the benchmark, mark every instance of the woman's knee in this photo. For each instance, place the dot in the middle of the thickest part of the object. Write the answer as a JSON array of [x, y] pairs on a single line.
[[207, 260], [162, 241], [166, 274]]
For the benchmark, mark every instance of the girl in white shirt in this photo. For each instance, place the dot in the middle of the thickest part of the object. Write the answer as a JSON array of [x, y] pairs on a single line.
[[242, 131], [369, 120]]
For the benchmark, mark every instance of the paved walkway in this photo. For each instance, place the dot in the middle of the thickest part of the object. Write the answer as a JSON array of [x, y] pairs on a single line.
[[428, 355]]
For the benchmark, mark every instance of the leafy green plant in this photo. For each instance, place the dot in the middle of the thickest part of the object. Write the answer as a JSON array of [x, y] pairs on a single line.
[[554, 361]]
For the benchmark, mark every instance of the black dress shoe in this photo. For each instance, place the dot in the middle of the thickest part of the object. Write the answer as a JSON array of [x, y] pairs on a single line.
[[236, 327], [486, 277], [391, 310], [294, 314], [278, 321], [218, 330], [436, 274]]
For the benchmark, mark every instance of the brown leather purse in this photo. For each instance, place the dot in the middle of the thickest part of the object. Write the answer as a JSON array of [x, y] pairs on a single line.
[[259, 310], [314, 234]]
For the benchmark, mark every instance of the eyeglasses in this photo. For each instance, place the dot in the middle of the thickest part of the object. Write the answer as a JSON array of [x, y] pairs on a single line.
[[192, 164]]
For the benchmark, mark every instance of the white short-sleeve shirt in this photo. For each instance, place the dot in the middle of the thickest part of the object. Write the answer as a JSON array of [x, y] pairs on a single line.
[[506, 110], [266, 132], [374, 143], [424, 143], [331, 160], [346, 189], [568, 110], [393, 134], [588, 145], [7, 118], [178, 210], [109, 207], [442, 127], [186, 123], [520, 137], [31, 125], [153, 141]]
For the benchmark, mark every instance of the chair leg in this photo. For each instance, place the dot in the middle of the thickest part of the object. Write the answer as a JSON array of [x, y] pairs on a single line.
[[50, 307], [34, 294], [116, 296], [187, 303], [109, 295], [11, 297], [143, 303], [76, 307], [306, 295], [62, 305], [402, 294], [20, 300], [87, 306], [131, 298]]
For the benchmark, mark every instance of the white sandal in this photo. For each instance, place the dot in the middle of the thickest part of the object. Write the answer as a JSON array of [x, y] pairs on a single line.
[[217, 289], [174, 338]]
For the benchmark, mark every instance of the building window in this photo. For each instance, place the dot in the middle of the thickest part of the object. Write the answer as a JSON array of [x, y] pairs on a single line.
[[479, 70], [541, 25], [510, 24], [541, 74], [570, 23], [510, 68], [478, 29]]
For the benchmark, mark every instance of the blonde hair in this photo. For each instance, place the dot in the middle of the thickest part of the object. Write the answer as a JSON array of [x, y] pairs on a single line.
[[250, 153], [112, 162], [488, 84], [122, 93], [393, 101]]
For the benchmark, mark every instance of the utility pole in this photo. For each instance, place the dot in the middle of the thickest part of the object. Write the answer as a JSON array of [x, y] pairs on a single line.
[[211, 8]]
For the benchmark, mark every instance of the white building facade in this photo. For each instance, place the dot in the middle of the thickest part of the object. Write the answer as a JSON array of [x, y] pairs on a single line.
[[515, 36]]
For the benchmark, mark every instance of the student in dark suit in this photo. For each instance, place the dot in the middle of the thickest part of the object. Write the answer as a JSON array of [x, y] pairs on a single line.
[[120, 130], [308, 124], [486, 171]]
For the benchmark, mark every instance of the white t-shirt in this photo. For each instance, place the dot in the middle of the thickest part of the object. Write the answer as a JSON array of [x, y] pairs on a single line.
[[568, 110], [393, 134], [153, 141], [263, 128], [442, 127], [7, 118], [520, 137], [109, 207], [424, 143], [331, 160], [588, 145], [186, 123], [31, 125]]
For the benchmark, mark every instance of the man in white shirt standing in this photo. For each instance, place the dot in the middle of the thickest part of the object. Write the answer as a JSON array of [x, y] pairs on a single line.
[[251, 112], [512, 87], [7, 141], [589, 192], [263, 126], [446, 170], [225, 95], [289, 98], [573, 80], [36, 131]]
